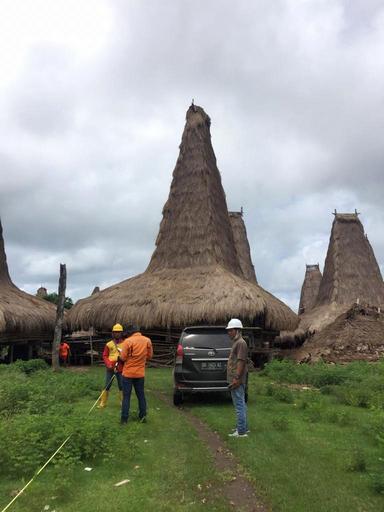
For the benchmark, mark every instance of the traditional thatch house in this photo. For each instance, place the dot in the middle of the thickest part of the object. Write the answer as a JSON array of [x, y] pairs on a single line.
[[351, 277], [242, 245], [42, 292], [194, 276], [310, 288], [351, 274], [25, 320]]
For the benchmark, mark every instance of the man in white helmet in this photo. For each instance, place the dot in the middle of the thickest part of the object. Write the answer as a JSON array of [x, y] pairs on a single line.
[[237, 376]]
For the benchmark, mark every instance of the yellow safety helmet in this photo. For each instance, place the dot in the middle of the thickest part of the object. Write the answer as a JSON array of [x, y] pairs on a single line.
[[117, 328]]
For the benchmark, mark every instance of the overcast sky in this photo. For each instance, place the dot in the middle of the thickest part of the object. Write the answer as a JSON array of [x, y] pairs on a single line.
[[93, 95]]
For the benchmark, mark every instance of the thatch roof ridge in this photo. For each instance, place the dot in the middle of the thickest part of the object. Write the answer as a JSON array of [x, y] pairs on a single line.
[[310, 288], [21, 312], [351, 271], [5, 278], [242, 247]]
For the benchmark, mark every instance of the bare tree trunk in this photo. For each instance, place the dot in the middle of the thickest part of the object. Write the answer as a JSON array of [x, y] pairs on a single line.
[[59, 317]]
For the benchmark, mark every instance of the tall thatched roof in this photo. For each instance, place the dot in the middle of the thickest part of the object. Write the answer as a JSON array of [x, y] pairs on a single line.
[[351, 271], [351, 274], [194, 275], [21, 313], [242, 245], [310, 288]]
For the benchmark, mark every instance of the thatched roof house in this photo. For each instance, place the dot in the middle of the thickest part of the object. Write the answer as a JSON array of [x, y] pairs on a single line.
[[242, 245], [351, 288], [194, 275], [310, 288], [351, 274], [21, 314]]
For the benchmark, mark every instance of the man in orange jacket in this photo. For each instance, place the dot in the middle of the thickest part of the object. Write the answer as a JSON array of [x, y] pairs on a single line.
[[64, 353], [136, 350], [112, 363]]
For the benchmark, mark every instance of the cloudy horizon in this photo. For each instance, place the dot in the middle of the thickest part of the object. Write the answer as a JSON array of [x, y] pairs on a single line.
[[94, 95]]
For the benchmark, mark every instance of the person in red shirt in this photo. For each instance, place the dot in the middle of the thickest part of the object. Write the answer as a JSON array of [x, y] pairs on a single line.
[[136, 350], [64, 353], [113, 365]]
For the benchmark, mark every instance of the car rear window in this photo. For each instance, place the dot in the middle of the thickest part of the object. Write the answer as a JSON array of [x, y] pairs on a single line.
[[214, 339]]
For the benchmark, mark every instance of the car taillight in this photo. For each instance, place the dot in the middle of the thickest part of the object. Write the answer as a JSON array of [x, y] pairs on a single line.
[[179, 354]]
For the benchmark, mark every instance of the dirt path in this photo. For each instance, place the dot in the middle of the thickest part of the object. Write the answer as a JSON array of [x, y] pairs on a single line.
[[238, 490]]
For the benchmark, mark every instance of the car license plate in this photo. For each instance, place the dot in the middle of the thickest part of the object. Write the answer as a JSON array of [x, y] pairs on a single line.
[[212, 365]]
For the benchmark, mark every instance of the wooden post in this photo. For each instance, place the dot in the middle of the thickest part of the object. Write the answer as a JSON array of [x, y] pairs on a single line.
[[10, 353], [59, 318], [91, 341]]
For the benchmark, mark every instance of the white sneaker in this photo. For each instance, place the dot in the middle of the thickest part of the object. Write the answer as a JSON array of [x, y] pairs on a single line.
[[236, 434], [235, 430]]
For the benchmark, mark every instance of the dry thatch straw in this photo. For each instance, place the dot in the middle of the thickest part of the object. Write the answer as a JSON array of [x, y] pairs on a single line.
[[242, 246], [351, 274], [310, 288], [194, 275], [356, 334], [351, 271], [21, 313]]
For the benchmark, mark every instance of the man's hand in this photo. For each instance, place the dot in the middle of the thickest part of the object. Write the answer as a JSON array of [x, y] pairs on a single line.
[[235, 383]]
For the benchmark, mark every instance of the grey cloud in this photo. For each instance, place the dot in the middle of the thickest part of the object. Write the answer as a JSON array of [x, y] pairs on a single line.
[[295, 94]]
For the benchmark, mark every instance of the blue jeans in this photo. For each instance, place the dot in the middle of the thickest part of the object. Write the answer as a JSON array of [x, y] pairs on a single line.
[[238, 399], [109, 382], [138, 384]]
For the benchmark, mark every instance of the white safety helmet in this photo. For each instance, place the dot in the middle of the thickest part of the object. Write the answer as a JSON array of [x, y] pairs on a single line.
[[234, 323]]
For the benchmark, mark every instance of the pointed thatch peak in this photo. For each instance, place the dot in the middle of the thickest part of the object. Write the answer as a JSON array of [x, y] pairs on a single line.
[[4, 273], [195, 230], [42, 292], [95, 290], [310, 288], [242, 245], [194, 276], [351, 272], [20, 312]]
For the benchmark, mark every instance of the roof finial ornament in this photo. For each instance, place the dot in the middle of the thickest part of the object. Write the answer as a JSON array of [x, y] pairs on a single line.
[[241, 211], [335, 212], [193, 105], [356, 212]]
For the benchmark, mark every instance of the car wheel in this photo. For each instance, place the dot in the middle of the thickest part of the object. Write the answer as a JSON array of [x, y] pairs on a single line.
[[177, 398]]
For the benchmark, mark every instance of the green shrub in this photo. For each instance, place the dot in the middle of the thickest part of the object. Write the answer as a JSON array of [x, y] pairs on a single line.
[[340, 417], [27, 441], [280, 423], [357, 462], [31, 366], [314, 412], [377, 482], [279, 393]]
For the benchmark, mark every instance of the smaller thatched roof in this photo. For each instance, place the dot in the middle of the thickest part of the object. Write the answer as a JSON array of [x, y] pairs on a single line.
[[351, 274], [351, 271], [310, 288], [41, 292], [242, 245], [20, 312]]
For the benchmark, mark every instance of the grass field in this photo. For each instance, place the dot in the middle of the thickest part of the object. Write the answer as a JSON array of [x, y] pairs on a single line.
[[315, 444]]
